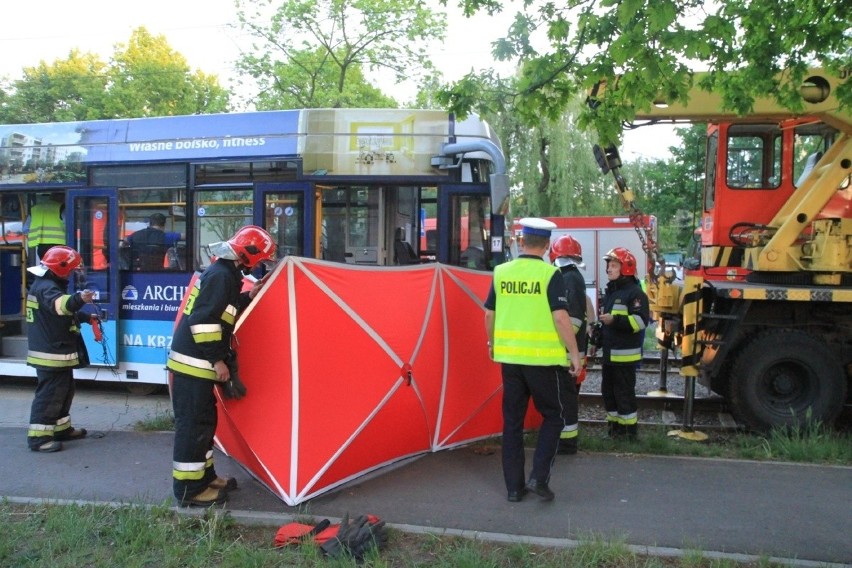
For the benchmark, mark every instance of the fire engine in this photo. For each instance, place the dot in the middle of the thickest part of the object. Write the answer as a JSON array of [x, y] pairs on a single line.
[[763, 318]]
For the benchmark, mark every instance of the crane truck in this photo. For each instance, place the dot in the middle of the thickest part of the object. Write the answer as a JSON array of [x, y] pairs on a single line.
[[764, 318]]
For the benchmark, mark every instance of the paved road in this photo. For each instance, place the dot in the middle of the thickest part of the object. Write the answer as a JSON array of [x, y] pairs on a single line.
[[796, 514]]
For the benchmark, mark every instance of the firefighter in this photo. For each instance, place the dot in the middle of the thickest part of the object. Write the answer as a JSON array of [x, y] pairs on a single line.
[[567, 255], [55, 347], [528, 328], [201, 357], [624, 316]]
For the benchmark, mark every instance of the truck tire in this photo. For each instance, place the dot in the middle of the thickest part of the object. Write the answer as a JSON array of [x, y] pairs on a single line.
[[785, 379]]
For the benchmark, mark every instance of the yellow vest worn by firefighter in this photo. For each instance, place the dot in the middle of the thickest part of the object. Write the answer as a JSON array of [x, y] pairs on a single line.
[[46, 226], [524, 332]]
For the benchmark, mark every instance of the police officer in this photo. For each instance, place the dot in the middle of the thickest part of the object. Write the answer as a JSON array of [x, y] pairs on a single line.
[[199, 359], [567, 254], [624, 315], [529, 330], [55, 347]]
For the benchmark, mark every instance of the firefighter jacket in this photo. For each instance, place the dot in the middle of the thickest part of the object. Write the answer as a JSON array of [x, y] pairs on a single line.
[[524, 332], [46, 226], [575, 288], [53, 325], [203, 335], [623, 339]]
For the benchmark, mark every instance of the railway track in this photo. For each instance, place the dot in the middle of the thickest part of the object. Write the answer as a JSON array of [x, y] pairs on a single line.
[[709, 411]]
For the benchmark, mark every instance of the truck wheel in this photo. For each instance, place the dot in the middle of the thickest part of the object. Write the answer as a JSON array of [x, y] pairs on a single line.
[[784, 379]]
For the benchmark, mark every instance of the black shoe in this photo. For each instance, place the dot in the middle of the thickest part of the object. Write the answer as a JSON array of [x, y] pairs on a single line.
[[516, 496], [541, 489], [567, 448], [71, 434]]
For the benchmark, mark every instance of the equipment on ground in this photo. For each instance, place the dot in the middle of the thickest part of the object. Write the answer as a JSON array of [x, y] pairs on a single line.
[[762, 317]]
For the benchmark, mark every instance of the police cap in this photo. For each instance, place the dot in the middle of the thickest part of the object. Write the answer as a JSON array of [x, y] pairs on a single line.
[[536, 226]]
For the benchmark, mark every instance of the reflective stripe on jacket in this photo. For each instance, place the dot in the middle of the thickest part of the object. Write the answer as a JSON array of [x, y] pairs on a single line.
[[203, 335], [623, 338], [53, 330], [524, 332]]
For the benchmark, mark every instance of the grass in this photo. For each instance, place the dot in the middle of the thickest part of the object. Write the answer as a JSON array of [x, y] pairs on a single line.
[[160, 422], [71, 536], [811, 444]]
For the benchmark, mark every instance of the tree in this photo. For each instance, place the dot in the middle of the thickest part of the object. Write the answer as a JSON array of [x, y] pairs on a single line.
[[144, 78], [749, 47], [149, 78], [66, 90], [324, 44], [554, 169], [311, 80]]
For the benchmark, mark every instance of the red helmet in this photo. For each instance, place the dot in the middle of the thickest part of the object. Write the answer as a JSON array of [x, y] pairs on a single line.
[[252, 245], [625, 257], [566, 245], [62, 260]]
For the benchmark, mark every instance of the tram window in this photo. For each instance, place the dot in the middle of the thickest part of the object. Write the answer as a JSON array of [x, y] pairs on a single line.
[[428, 215], [152, 229], [140, 176], [242, 172], [218, 215]]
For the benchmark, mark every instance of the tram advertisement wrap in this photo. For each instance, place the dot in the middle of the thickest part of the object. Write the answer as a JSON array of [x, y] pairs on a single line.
[[148, 308]]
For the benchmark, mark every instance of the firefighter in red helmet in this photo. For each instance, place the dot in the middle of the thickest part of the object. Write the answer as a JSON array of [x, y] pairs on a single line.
[[624, 317], [567, 254], [201, 357], [55, 347]]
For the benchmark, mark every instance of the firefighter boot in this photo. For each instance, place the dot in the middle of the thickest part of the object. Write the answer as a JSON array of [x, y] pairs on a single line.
[[224, 483], [71, 434], [567, 447], [631, 431], [616, 430], [206, 498]]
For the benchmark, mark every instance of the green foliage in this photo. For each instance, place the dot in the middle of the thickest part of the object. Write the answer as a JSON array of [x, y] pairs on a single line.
[[144, 78], [644, 49], [160, 422], [315, 53], [311, 79]]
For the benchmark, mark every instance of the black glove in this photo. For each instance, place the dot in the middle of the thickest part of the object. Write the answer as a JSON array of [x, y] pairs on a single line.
[[356, 538], [233, 387], [596, 334]]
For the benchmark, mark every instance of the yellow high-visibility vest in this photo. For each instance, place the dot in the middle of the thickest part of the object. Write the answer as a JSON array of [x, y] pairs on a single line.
[[524, 332], [46, 226]]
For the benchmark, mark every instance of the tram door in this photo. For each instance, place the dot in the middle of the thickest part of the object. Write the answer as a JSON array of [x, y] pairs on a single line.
[[287, 211], [351, 224], [468, 235], [93, 232]]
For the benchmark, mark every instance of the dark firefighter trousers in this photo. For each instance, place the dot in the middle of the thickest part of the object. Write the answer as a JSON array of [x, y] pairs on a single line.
[[618, 389], [554, 394], [52, 403], [194, 406]]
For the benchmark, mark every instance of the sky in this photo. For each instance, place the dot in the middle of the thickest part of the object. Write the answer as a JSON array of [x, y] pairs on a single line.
[[203, 31]]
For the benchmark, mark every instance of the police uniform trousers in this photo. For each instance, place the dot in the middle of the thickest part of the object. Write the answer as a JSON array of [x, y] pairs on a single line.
[[51, 407], [554, 394], [194, 406], [618, 388]]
